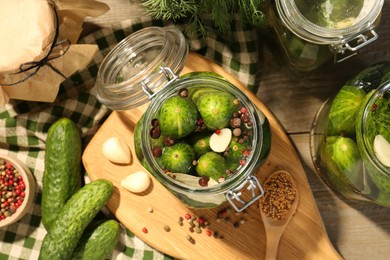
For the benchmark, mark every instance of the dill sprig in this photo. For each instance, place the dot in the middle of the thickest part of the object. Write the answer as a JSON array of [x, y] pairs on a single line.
[[194, 11]]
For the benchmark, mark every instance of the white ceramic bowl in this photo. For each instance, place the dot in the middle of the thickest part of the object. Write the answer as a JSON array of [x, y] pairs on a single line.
[[29, 191]]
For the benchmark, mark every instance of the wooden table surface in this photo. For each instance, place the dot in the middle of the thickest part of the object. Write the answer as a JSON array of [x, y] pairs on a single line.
[[357, 230]]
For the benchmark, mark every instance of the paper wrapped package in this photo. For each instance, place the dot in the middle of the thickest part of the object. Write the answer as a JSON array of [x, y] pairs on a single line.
[[39, 47]]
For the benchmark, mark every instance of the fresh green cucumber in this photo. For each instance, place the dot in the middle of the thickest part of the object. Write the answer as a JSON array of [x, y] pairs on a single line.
[[62, 175], [98, 240], [73, 219]]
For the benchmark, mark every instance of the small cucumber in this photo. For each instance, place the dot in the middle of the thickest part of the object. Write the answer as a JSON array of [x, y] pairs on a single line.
[[62, 175], [98, 240], [73, 219]]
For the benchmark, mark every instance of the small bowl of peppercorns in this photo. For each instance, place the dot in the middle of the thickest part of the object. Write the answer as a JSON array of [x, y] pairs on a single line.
[[17, 190]]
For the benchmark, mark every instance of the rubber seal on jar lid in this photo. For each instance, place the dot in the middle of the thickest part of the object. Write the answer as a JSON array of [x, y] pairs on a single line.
[[131, 73]]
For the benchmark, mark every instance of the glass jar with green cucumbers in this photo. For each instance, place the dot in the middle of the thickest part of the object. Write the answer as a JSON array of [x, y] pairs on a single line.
[[350, 138], [200, 136], [305, 34]]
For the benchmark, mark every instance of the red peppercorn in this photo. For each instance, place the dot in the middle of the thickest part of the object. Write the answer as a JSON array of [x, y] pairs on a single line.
[[145, 230], [203, 181], [373, 108], [242, 162], [168, 141], [187, 216], [155, 132], [243, 110], [218, 131], [245, 152], [155, 122], [157, 151], [8, 165], [209, 232]]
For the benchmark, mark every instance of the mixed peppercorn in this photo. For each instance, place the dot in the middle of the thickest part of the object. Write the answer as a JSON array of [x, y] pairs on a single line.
[[12, 189], [198, 224]]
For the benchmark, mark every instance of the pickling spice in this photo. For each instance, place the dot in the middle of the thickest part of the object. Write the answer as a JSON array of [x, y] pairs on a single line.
[[12, 189], [279, 195]]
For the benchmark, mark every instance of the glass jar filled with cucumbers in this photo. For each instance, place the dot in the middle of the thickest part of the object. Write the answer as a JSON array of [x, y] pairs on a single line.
[[200, 136], [350, 139], [305, 34]]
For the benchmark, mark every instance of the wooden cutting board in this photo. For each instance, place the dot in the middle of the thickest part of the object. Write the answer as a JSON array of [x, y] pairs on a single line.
[[304, 238]]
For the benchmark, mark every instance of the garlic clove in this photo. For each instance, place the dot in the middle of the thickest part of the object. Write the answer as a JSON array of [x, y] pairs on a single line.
[[382, 150], [136, 182], [116, 150], [220, 141]]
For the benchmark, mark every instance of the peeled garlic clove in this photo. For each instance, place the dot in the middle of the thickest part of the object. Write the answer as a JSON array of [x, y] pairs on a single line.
[[136, 182], [116, 150], [382, 150], [219, 141]]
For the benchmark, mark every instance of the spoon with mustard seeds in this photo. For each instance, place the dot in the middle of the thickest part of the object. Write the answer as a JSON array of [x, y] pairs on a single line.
[[277, 206]]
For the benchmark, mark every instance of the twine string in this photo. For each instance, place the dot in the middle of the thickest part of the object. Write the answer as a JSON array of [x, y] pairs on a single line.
[[35, 66]]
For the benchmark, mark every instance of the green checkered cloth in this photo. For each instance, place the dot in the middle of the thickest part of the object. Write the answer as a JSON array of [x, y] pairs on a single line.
[[24, 125]]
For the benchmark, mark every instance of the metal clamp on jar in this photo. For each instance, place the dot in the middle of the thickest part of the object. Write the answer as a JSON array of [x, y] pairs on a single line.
[[144, 67], [306, 34]]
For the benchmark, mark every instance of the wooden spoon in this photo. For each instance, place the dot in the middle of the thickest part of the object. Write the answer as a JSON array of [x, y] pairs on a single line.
[[274, 226]]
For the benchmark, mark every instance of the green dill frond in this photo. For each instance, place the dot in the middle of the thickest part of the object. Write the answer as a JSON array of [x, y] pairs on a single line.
[[195, 27], [251, 12], [170, 9], [220, 10], [196, 11]]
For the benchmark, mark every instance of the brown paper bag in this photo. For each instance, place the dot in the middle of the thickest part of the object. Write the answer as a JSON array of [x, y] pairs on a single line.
[[39, 46]]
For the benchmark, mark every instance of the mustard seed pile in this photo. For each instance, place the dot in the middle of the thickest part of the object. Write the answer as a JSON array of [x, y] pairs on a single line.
[[279, 195]]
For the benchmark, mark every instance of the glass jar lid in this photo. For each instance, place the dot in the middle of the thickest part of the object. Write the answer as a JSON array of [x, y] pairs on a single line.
[[131, 72], [328, 21]]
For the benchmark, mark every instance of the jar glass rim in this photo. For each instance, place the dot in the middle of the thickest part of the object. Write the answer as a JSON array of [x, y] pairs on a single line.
[[302, 27], [244, 171]]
